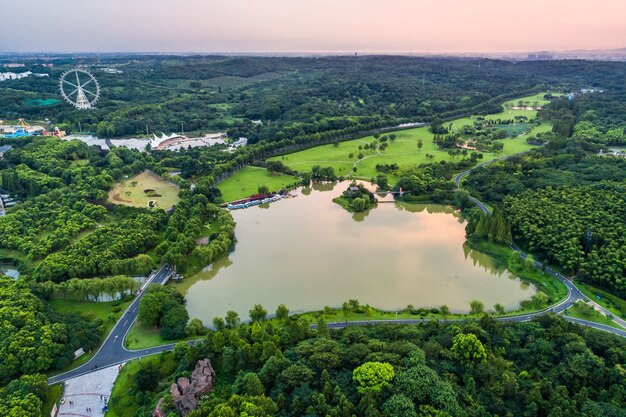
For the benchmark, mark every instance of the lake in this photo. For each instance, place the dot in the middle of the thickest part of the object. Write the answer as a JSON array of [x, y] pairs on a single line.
[[307, 252], [9, 271]]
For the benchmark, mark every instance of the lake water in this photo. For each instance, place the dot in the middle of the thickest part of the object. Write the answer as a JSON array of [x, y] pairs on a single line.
[[9, 271], [307, 252]]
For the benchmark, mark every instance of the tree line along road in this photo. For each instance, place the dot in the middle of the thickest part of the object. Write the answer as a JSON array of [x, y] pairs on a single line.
[[113, 352]]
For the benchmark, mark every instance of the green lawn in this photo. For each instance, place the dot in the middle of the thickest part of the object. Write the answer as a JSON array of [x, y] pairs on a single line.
[[554, 288], [614, 304], [343, 156], [246, 182], [126, 398], [91, 311], [132, 191], [580, 310], [56, 392], [141, 337]]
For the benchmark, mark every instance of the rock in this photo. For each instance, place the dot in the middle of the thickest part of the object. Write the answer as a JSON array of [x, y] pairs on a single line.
[[158, 412], [186, 392]]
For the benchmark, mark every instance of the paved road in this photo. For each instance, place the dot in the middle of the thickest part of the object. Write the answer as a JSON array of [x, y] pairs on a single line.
[[112, 350], [573, 293]]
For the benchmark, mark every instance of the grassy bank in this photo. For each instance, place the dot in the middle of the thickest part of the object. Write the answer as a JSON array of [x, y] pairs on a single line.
[[545, 282], [108, 312], [137, 191], [126, 398], [247, 181], [404, 150], [614, 304], [141, 336], [580, 310], [56, 392]]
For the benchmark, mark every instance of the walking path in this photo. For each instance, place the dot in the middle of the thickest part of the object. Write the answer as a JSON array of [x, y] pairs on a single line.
[[113, 351], [574, 294]]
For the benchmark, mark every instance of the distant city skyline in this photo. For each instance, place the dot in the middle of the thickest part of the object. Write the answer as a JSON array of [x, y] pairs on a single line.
[[316, 26]]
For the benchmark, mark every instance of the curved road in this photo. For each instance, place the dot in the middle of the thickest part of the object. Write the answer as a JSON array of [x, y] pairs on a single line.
[[573, 293], [113, 352]]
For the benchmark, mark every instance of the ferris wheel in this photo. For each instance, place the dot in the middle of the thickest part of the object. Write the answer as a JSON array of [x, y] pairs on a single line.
[[79, 88]]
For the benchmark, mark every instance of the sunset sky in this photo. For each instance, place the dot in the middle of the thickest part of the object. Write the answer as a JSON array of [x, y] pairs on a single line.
[[400, 26]]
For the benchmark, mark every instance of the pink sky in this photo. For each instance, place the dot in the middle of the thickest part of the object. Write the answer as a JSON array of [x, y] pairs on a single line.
[[403, 26]]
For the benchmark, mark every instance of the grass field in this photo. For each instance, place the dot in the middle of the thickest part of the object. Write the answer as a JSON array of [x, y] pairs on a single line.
[[141, 336], [56, 392], [246, 182], [614, 304], [343, 157], [126, 399], [580, 310], [91, 311], [132, 191]]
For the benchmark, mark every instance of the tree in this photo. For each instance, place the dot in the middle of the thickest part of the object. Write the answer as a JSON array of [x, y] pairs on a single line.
[[249, 384], [382, 181], [195, 328], [420, 144], [147, 377], [499, 308], [263, 189], [232, 319], [444, 311], [295, 375], [373, 376], [399, 405], [476, 307], [469, 349], [218, 323], [322, 328], [282, 312], [258, 313], [174, 322]]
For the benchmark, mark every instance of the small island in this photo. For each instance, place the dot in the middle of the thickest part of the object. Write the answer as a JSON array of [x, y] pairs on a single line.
[[357, 198]]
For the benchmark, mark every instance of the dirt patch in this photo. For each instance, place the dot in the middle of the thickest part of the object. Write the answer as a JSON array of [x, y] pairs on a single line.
[[116, 197]]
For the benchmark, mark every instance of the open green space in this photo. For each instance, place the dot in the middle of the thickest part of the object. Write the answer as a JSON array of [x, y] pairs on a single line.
[[581, 310], [54, 396], [141, 336], [247, 181], [108, 312], [404, 150], [553, 288], [139, 190], [611, 302]]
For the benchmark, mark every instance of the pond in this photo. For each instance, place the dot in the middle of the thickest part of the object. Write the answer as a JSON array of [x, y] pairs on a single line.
[[307, 252], [9, 271]]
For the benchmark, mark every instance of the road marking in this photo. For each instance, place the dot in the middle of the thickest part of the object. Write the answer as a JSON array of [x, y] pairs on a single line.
[[124, 325]]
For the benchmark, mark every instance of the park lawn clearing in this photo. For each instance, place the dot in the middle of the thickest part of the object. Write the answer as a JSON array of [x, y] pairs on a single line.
[[343, 156], [54, 396], [247, 181], [614, 304], [139, 190], [582, 311], [141, 336], [126, 399], [91, 311]]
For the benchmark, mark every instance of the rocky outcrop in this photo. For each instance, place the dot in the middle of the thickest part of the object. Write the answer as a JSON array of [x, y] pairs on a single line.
[[187, 391], [158, 411]]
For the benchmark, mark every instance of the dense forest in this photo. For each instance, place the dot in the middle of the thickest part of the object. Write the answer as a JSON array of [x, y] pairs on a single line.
[[290, 96], [69, 241], [564, 202], [546, 367]]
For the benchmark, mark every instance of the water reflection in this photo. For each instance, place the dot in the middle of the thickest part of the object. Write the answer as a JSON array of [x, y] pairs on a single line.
[[308, 252], [9, 271]]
